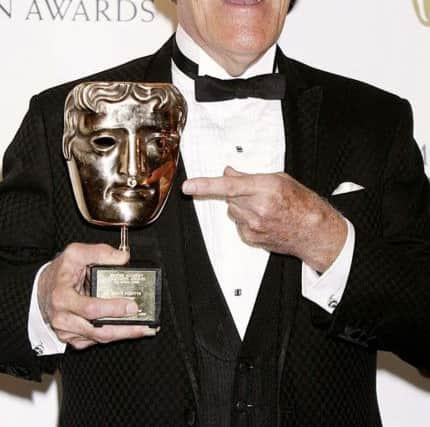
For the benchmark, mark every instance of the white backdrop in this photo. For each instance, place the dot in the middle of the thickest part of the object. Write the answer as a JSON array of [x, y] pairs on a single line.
[[47, 42]]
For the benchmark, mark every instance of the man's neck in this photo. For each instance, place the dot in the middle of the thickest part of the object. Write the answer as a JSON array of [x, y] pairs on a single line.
[[210, 65]]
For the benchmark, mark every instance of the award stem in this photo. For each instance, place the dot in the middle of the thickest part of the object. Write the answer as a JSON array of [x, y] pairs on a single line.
[[124, 239]]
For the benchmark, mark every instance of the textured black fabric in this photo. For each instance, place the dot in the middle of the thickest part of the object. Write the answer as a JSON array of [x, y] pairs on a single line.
[[127, 383], [255, 390], [236, 378], [217, 341], [337, 130]]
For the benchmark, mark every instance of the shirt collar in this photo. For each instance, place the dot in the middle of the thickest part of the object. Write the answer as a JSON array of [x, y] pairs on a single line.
[[208, 66]]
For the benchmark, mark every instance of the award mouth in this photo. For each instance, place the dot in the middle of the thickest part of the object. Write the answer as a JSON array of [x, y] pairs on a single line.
[[137, 194]]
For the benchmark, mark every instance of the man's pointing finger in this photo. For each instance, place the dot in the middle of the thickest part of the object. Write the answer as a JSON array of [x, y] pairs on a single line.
[[219, 187]]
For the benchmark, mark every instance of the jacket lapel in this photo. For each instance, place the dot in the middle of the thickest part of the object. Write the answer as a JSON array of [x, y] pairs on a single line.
[[169, 229], [301, 110]]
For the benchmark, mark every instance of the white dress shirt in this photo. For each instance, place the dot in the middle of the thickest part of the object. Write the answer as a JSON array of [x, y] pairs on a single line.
[[247, 134]]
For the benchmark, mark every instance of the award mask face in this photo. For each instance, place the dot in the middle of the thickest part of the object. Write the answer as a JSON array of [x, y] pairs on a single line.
[[121, 142]]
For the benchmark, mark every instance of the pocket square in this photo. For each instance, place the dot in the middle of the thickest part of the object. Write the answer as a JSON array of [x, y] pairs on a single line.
[[347, 187]]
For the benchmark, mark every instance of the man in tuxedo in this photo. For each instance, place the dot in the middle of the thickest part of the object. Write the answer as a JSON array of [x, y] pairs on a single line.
[[294, 244]]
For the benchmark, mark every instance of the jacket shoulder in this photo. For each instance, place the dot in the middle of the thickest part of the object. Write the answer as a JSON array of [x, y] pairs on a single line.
[[341, 90], [130, 71]]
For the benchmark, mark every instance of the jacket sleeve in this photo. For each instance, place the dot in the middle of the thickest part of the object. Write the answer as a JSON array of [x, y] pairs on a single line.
[[27, 233], [386, 304]]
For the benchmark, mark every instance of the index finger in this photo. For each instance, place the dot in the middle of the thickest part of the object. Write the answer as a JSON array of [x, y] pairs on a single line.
[[219, 187]]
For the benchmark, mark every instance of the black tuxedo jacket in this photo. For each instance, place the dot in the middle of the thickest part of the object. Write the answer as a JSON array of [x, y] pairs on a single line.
[[337, 130]]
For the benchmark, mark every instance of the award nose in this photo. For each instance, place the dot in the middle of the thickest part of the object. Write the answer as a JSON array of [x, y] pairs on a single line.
[[131, 165]]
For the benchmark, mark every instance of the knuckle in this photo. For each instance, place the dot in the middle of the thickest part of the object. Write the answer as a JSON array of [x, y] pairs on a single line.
[[231, 211], [249, 236], [245, 233], [63, 336], [57, 321], [86, 330], [229, 188], [104, 335], [206, 185], [71, 250], [117, 308], [57, 299], [90, 310], [255, 224], [104, 253], [263, 210]]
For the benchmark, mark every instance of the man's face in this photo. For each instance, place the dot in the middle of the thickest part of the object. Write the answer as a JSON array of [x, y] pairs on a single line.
[[233, 28], [123, 162]]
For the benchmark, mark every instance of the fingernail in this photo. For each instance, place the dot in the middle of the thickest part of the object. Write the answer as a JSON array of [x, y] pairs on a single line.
[[131, 308], [188, 187], [150, 332]]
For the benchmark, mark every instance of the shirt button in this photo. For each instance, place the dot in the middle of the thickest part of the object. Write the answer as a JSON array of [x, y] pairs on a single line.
[[245, 366], [239, 149], [242, 406], [237, 292]]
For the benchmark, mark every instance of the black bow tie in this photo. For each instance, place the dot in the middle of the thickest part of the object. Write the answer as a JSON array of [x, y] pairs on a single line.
[[210, 89]]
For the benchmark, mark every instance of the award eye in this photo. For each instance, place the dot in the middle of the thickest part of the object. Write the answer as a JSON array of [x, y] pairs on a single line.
[[164, 142], [159, 148], [155, 146], [161, 142], [103, 143]]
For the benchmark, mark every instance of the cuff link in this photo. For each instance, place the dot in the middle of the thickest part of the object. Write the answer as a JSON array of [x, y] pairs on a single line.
[[332, 302], [39, 349]]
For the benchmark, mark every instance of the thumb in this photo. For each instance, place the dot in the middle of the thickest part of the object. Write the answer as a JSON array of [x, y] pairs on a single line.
[[85, 254]]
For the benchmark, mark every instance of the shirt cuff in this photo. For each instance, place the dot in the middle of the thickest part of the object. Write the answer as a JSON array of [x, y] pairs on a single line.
[[327, 289], [43, 339]]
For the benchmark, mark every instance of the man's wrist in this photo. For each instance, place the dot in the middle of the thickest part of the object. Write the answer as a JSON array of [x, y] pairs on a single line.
[[326, 290], [43, 339]]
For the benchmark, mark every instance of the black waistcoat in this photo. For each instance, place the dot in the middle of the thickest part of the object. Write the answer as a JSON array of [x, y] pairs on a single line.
[[238, 380]]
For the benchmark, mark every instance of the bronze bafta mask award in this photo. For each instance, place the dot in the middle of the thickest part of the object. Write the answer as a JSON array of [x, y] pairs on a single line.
[[121, 143]]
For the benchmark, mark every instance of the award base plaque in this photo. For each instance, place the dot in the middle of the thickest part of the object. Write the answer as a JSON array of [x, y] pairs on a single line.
[[139, 283]]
